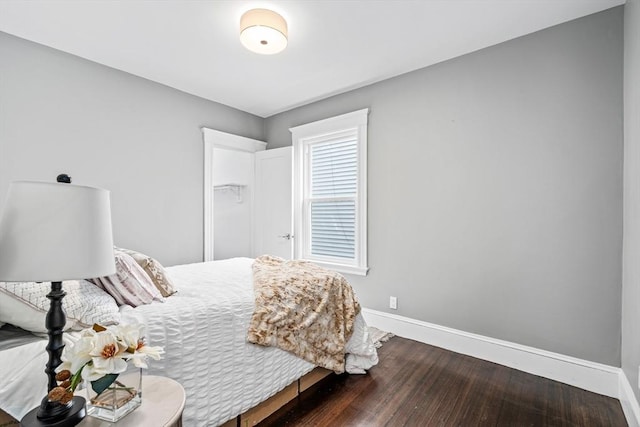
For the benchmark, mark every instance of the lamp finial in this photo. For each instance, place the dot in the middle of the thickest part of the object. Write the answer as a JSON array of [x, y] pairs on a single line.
[[63, 177]]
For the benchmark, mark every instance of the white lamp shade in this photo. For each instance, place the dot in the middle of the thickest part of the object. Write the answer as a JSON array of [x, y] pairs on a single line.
[[263, 31], [55, 232]]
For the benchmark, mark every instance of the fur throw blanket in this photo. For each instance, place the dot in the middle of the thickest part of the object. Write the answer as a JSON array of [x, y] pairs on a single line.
[[304, 309]]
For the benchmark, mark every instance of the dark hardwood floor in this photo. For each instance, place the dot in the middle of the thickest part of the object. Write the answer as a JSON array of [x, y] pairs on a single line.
[[419, 385]]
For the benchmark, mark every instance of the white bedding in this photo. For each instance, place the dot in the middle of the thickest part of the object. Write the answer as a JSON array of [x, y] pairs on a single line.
[[203, 331], [21, 365]]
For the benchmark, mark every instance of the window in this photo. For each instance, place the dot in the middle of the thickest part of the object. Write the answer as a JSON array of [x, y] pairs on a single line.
[[330, 192]]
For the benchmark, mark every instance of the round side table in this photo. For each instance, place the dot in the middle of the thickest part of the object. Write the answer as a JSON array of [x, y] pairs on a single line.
[[162, 405]]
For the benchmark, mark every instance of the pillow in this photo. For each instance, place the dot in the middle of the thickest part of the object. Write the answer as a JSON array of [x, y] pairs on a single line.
[[154, 270], [25, 305], [130, 285]]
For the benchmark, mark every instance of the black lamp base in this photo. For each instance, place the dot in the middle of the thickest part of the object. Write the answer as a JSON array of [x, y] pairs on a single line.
[[76, 413], [52, 413]]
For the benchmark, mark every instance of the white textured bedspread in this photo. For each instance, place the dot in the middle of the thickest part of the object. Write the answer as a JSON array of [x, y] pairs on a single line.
[[203, 331]]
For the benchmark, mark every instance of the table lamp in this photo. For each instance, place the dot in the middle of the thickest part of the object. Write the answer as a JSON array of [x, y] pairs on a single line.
[[51, 232]]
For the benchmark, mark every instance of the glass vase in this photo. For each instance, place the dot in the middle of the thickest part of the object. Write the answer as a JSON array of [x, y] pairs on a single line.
[[120, 398]]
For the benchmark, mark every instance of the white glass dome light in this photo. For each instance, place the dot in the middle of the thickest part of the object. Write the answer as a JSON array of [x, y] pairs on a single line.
[[263, 31]]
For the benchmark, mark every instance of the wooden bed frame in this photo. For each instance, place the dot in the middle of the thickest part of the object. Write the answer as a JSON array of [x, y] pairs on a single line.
[[254, 415]]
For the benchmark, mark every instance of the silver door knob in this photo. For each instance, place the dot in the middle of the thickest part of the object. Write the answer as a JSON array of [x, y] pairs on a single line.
[[287, 236]]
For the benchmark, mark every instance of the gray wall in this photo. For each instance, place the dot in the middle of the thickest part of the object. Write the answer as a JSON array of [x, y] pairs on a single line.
[[631, 257], [495, 184], [107, 128], [495, 189]]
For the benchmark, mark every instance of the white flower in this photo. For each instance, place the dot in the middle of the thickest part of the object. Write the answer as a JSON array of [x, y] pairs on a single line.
[[130, 335], [101, 351], [152, 352], [76, 356], [106, 356], [143, 351]]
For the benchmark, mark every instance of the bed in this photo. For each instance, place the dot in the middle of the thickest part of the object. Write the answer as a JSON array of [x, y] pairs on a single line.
[[203, 329]]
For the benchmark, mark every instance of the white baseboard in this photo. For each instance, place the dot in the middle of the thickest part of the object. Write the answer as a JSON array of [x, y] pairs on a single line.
[[628, 401], [596, 377]]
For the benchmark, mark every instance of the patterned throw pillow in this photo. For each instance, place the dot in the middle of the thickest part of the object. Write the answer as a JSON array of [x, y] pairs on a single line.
[[25, 305], [154, 269], [130, 285]]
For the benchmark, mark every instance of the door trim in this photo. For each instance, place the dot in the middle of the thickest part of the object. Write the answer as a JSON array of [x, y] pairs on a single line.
[[217, 139]]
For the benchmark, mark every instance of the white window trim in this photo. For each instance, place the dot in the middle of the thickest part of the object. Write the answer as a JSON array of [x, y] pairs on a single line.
[[301, 136]]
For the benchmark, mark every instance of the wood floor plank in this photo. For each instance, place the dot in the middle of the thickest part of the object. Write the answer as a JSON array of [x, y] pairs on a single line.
[[420, 385]]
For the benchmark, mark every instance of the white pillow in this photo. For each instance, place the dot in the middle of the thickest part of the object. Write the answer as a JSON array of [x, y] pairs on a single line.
[[130, 285], [25, 305]]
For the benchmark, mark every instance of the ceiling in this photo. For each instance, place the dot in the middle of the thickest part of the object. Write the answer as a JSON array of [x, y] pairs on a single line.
[[334, 46]]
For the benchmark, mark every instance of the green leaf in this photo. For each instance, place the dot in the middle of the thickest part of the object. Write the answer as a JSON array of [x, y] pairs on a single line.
[[76, 378], [103, 383]]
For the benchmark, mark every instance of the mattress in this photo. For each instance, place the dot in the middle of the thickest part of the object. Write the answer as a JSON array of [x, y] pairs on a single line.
[[203, 331], [11, 337]]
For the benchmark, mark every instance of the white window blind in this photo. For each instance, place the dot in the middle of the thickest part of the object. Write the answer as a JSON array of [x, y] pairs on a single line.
[[334, 186], [330, 219]]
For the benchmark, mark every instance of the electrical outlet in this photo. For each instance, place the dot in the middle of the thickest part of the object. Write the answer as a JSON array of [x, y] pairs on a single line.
[[393, 303]]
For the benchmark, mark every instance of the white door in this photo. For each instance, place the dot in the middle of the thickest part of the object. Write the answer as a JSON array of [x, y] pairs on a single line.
[[273, 203]]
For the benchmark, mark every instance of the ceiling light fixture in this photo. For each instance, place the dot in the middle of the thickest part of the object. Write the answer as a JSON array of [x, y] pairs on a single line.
[[263, 31]]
